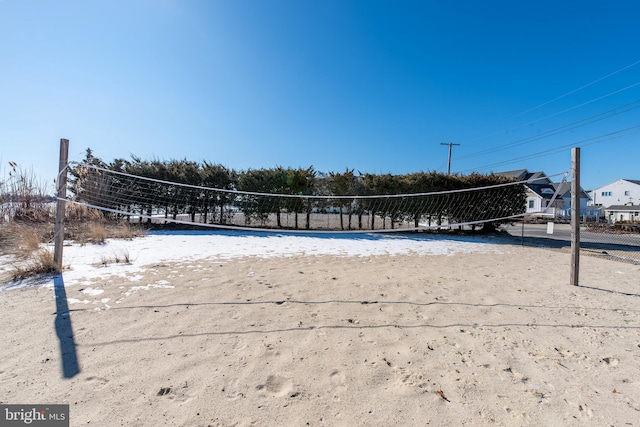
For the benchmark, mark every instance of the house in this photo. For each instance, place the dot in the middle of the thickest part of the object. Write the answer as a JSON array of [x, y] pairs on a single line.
[[618, 193], [541, 200], [541, 192], [628, 213], [564, 190]]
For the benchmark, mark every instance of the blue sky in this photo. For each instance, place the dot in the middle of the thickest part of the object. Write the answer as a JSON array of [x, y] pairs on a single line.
[[376, 86]]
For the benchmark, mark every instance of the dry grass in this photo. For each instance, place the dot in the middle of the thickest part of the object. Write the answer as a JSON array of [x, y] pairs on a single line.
[[121, 257], [20, 240], [27, 220], [40, 262], [97, 233], [80, 213], [124, 230], [23, 240]]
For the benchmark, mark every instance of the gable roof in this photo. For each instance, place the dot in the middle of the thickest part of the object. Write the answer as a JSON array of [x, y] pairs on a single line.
[[632, 181], [518, 173], [525, 175], [623, 208], [544, 191], [565, 189]]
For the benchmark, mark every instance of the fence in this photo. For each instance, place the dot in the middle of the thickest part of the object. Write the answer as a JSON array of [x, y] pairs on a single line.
[[620, 242]]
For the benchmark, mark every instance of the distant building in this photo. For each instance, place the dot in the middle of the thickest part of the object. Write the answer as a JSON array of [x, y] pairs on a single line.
[[564, 190], [620, 192], [628, 213], [544, 196]]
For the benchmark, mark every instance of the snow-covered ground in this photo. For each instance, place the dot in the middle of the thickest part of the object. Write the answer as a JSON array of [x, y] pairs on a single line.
[[131, 257]]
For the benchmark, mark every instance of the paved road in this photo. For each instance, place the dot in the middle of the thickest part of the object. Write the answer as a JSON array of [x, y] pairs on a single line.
[[536, 235]]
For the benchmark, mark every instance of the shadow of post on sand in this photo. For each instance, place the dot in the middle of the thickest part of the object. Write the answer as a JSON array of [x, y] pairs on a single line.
[[64, 330]]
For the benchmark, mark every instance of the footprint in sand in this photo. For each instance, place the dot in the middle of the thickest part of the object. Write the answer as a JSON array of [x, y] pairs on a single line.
[[275, 386], [97, 382], [338, 381], [337, 377]]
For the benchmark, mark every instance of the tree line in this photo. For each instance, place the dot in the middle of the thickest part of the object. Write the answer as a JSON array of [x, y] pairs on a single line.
[[243, 191]]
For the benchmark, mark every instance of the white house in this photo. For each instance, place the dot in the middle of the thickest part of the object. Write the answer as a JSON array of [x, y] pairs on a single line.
[[628, 213], [564, 190], [541, 191], [620, 192], [540, 199]]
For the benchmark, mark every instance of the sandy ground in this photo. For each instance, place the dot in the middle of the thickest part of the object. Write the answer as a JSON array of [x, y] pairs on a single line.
[[481, 337]]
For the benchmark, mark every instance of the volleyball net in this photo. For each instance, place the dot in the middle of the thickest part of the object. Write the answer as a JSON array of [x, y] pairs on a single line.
[[137, 198]]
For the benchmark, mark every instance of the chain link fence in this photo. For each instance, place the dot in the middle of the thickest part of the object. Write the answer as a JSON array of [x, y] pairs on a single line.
[[620, 242]]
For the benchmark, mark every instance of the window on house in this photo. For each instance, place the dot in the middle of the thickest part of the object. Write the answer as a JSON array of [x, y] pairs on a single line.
[[627, 193], [531, 204], [606, 193]]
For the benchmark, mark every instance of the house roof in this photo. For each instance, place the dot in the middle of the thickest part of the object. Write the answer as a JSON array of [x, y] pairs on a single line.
[[633, 181], [525, 175], [623, 208], [545, 191], [518, 173], [565, 187]]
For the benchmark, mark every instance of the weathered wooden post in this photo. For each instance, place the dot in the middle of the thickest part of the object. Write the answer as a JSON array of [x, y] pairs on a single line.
[[61, 193], [575, 216]]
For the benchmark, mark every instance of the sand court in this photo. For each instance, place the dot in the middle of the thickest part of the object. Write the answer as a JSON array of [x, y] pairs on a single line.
[[420, 332]]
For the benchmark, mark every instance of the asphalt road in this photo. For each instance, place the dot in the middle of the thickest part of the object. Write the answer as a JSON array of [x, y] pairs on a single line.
[[536, 235]]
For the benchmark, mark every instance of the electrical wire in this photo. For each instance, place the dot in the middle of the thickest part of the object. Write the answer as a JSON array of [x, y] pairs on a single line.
[[570, 126], [551, 101], [555, 150], [574, 90], [554, 114]]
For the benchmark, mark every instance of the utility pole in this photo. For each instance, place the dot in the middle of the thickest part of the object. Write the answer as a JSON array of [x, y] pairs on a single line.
[[450, 144]]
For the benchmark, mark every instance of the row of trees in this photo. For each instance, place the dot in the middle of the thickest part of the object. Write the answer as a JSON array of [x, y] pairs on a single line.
[[219, 206]]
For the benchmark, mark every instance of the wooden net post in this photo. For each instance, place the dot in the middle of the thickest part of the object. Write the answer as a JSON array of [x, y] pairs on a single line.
[[575, 216], [61, 193]]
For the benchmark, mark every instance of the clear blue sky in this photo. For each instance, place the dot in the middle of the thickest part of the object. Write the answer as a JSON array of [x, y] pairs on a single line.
[[375, 86]]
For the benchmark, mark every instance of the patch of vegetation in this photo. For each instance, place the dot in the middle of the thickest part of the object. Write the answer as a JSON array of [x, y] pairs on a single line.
[[38, 263], [27, 221], [119, 257]]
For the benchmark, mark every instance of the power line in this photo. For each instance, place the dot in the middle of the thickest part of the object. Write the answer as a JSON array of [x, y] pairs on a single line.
[[548, 152], [574, 90], [557, 113], [555, 99], [570, 126]]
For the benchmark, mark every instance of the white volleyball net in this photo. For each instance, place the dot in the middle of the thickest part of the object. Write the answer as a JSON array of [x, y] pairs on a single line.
[[143, 199]]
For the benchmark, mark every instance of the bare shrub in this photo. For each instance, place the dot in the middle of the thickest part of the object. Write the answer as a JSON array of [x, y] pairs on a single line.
[[97, 233], [40, 262], [124, 230], [29, 241], [79, 213], [19, 239], [24, 197]]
